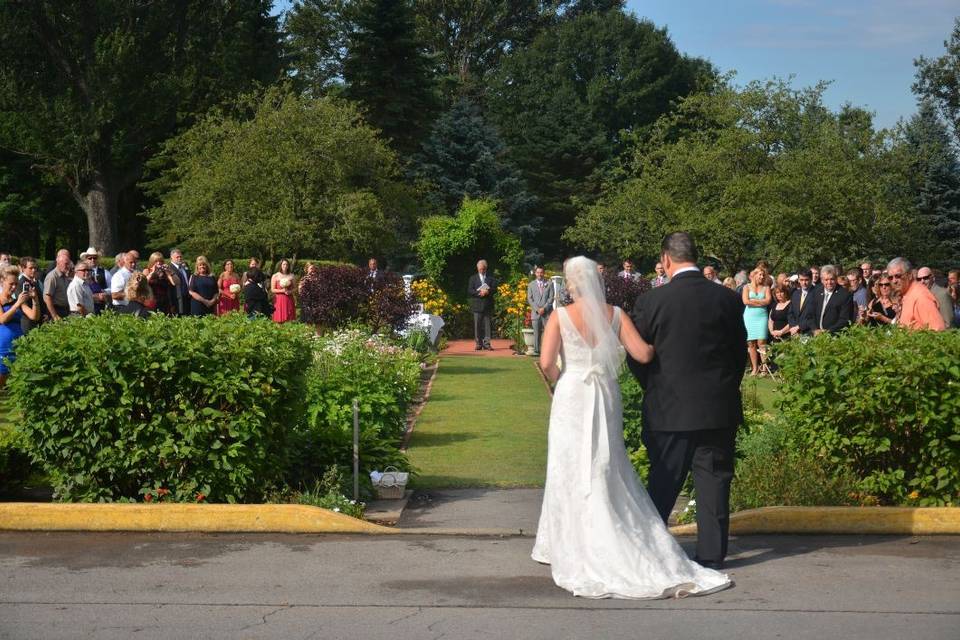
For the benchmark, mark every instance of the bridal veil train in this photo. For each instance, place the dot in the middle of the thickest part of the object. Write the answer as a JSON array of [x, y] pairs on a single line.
[[599, 531]]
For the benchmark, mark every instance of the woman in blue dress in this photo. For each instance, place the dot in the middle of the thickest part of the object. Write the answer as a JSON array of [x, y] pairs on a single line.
[[15, 307], [756, 299]]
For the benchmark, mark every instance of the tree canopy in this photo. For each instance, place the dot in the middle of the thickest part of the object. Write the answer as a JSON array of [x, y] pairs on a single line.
[[285, 175], [767, 172]]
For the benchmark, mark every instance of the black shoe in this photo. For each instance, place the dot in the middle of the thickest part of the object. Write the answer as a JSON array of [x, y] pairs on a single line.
[[716, 565], [478, 347], [488, 348]]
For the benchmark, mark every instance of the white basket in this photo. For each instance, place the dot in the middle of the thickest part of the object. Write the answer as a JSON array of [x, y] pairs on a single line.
[[392, 484]]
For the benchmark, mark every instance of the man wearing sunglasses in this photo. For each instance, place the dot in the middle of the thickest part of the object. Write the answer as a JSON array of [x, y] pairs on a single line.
[[918, 307], [925, 277]]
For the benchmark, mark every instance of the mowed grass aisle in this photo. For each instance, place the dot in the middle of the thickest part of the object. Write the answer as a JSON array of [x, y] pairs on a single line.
[[485, 425]]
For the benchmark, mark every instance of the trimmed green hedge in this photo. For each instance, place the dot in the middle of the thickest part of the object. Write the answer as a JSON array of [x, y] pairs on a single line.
[[883, 404], [116, 408]]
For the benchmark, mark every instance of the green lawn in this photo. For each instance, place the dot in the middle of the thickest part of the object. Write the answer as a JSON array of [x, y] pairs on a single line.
[[761, 391], [484, 425]]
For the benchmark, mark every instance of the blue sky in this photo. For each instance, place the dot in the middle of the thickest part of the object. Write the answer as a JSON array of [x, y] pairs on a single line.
[[865, 47]]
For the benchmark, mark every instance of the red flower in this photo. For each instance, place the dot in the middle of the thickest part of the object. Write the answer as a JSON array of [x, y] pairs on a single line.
[[200, 497], [148, 497], [162, 491]]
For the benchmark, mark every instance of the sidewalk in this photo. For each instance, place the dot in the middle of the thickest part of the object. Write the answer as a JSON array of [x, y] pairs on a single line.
[[501, 349]]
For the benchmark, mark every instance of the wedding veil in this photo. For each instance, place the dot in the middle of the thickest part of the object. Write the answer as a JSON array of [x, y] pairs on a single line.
[[585, 286]]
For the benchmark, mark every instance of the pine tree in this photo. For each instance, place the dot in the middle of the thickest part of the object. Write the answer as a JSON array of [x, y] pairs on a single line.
[[465, 157], [388, 73], [935, 178]]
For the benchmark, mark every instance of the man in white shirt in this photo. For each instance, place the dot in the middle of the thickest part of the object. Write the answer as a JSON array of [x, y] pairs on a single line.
[[118, 283], [79, 295], [711, 274]]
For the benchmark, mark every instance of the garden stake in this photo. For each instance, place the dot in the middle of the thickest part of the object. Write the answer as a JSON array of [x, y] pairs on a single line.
[[356, 450]]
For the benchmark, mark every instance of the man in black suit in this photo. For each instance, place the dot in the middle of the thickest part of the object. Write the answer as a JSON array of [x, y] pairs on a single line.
[[481, 289], [832, 308], [692, 405], [800, 300], [374, 274]]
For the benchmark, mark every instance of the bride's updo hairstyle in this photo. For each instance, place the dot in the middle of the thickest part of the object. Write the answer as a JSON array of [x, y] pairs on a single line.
[[585, 286]]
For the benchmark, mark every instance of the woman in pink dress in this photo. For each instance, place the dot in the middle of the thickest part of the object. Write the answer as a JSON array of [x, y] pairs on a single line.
[[282, 285], [229, 300]]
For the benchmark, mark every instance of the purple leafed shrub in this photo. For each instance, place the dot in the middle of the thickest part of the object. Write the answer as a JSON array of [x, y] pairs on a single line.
[[623, 293], [340, 294]]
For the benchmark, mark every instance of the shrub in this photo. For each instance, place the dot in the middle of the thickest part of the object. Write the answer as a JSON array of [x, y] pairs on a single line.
[[340, 295], [193, 408], [884, 404], [512, 311], [15, 466], [774, 469], [353, 364], [456, 317], [621, 292]]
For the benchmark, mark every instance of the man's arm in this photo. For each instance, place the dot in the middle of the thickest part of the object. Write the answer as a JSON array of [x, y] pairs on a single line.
[[48, 285]]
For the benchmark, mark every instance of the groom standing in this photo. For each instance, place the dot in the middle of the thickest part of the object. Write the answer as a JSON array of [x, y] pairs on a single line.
[[691, 403]]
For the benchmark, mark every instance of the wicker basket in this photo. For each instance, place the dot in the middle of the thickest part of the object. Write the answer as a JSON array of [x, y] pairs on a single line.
[[392, 484]]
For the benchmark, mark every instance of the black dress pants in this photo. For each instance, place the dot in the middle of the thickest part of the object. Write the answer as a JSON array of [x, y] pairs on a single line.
[[481, 328], [710, 454]]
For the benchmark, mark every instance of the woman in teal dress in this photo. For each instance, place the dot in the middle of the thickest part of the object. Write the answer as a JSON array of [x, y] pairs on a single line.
[[756, 299]]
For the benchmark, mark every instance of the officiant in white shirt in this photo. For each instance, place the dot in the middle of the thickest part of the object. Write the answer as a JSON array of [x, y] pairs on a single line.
[[480, 290]]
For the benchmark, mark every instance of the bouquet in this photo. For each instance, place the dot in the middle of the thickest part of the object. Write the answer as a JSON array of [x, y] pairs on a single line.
[[286, 282], [235, 288]]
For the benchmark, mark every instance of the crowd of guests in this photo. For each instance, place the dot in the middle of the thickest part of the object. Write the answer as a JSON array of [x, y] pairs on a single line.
[[171, 287], [827, 299]]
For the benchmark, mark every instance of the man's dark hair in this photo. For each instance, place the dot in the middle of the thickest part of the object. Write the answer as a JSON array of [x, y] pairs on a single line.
[[680, 246], [806, 273]]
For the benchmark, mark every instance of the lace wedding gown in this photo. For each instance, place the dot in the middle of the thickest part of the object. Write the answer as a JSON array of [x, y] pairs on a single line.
[[599, 531]]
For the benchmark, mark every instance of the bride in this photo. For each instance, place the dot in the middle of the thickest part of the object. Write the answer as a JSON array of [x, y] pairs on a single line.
[[599, 531]]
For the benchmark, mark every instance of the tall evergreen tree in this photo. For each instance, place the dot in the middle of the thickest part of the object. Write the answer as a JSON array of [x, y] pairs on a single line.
[[387, 71], [935, 182], [465, 157]]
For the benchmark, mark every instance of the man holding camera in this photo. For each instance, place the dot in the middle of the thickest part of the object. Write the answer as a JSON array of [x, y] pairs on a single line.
[[29, 286]]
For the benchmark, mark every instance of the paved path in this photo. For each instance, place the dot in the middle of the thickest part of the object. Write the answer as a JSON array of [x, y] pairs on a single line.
[[501, 349], [105, 586]]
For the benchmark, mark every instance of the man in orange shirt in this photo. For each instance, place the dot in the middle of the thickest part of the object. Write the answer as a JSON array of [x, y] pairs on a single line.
[[918, 307]]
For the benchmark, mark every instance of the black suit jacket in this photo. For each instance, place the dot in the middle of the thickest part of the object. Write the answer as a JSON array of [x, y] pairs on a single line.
[[478, 303], [838, 315], [795, 313], [700, 343]]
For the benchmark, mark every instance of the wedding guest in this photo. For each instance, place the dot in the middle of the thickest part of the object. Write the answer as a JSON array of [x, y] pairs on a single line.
[[815, 277], [310, 271], [79, 296], [711, 274], [282, 285], [4, 260], [374, 275], [163, 282], [866, 271], [799, 299], [783, 280], [955, 297], [182, 270], [953, 277], [858, 290], [229, 285], [203, 289], [14, 308], [254, 263], [255, 300], [741, 278], [661, 277], [925, 277], [882, 310], [628, 273], [481, 289], [28, 282], [118, 283], [540, 298], [756, 298], [55, 287], [730, 283], [832, 308], [98, 278], [601, 269], [138, 296], [778, 324]]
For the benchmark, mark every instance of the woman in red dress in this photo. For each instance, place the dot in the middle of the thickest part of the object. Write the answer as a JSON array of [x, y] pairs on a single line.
[[229, 300], [282, 285]]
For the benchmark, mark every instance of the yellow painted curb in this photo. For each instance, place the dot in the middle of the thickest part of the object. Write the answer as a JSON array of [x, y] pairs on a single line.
[[235, 518], [919, 521]]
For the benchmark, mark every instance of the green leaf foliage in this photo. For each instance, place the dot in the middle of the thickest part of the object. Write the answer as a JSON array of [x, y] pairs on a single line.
[[449, 247], [115, 407], [884, 404]]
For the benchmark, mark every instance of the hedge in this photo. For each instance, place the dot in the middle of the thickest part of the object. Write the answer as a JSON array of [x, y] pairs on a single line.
[[115, 408], [883, 404]]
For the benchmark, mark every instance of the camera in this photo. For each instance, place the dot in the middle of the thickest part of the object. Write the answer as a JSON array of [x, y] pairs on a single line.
[[26, 287]]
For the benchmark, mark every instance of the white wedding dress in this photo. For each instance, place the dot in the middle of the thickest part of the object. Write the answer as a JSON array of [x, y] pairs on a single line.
[[599, 531]]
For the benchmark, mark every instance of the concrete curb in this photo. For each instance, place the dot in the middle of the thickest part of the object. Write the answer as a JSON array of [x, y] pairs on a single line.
[[293, 518], [910, 521]]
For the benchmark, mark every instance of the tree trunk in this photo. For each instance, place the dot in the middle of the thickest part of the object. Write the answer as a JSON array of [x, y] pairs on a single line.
[[100, 205]]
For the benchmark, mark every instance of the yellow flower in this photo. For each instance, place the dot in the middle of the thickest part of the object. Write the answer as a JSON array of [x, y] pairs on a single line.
[[914, 494]]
